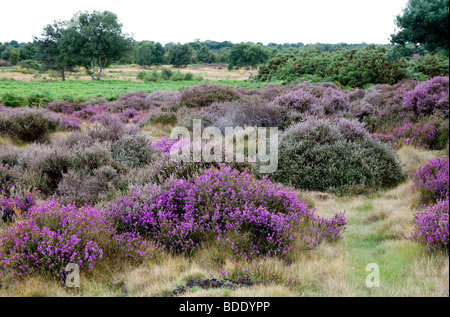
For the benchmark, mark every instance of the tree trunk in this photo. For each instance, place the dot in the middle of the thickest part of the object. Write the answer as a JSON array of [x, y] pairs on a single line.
[[100, 73], [63, 75], [251, 72], [93, 69]]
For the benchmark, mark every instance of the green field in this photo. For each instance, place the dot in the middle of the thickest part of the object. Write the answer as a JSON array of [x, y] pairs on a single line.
[[85, 90]]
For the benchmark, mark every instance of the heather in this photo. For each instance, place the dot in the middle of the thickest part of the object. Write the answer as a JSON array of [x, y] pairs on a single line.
[[335, 155], [428, 97], [431, 226], [432, 179], [206, 94], [52, 236], [111, 169], [27, 124], [252, 217]]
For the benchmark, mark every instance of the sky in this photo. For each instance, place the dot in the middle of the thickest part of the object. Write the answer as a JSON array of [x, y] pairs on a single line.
[[278, 21]]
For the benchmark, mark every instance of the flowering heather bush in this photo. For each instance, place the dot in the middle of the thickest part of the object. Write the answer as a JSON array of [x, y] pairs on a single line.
[[89, 112], [65, 107], [252, 217], [272, 91], [421, 135], [70, 123], [42, 166], [428, 97], [385, 138], [333, 101], [432, 179], [109, 127], [246, 112], [15, 202], [334, 155], [432, 227], [27, 124], [162, 99], [297, 99], [387, 105], [429, 133], [206, 94], [165, 144], [54, 236]]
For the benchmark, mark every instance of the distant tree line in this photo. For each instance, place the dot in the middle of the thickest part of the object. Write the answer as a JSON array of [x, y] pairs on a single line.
[[94, 40]]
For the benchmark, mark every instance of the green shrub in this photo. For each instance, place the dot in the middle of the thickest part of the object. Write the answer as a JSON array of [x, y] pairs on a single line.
[[335, 155], [188, 76], [151, 77], [11, 100], [166, 73], [30, 64], [141, 75]]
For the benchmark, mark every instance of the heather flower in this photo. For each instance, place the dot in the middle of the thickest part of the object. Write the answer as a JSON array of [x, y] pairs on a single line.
[[70, 123], [65, 107], [252, 217], [431, 226], [428, 97], [432, 179], [52, 236]]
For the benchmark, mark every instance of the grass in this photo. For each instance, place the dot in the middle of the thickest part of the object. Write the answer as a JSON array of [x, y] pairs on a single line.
[[376, 230], [109, 89]]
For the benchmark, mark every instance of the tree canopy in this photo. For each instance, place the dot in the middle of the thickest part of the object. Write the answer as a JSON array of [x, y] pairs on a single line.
[[424, 22], [180, 54], [247, 54]]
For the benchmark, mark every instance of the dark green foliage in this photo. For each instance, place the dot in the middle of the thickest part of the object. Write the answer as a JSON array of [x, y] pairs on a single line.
[[204, 55], [30, 64], [337, 156], [424, 22], [247, 54], [356, 67], [180, 55], [432, 66], [149, 53]]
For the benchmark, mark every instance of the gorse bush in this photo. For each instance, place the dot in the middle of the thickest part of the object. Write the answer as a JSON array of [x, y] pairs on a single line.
[[27, 124], [334, 155], [252, 217]]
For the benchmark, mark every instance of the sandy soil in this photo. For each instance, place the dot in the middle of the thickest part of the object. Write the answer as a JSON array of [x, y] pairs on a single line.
[[129, 72]]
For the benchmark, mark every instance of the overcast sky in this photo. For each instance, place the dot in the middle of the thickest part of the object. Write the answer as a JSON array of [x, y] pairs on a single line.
[[279, 21]]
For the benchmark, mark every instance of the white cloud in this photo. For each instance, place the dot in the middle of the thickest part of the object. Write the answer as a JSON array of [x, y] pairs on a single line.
[[279, 21]]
